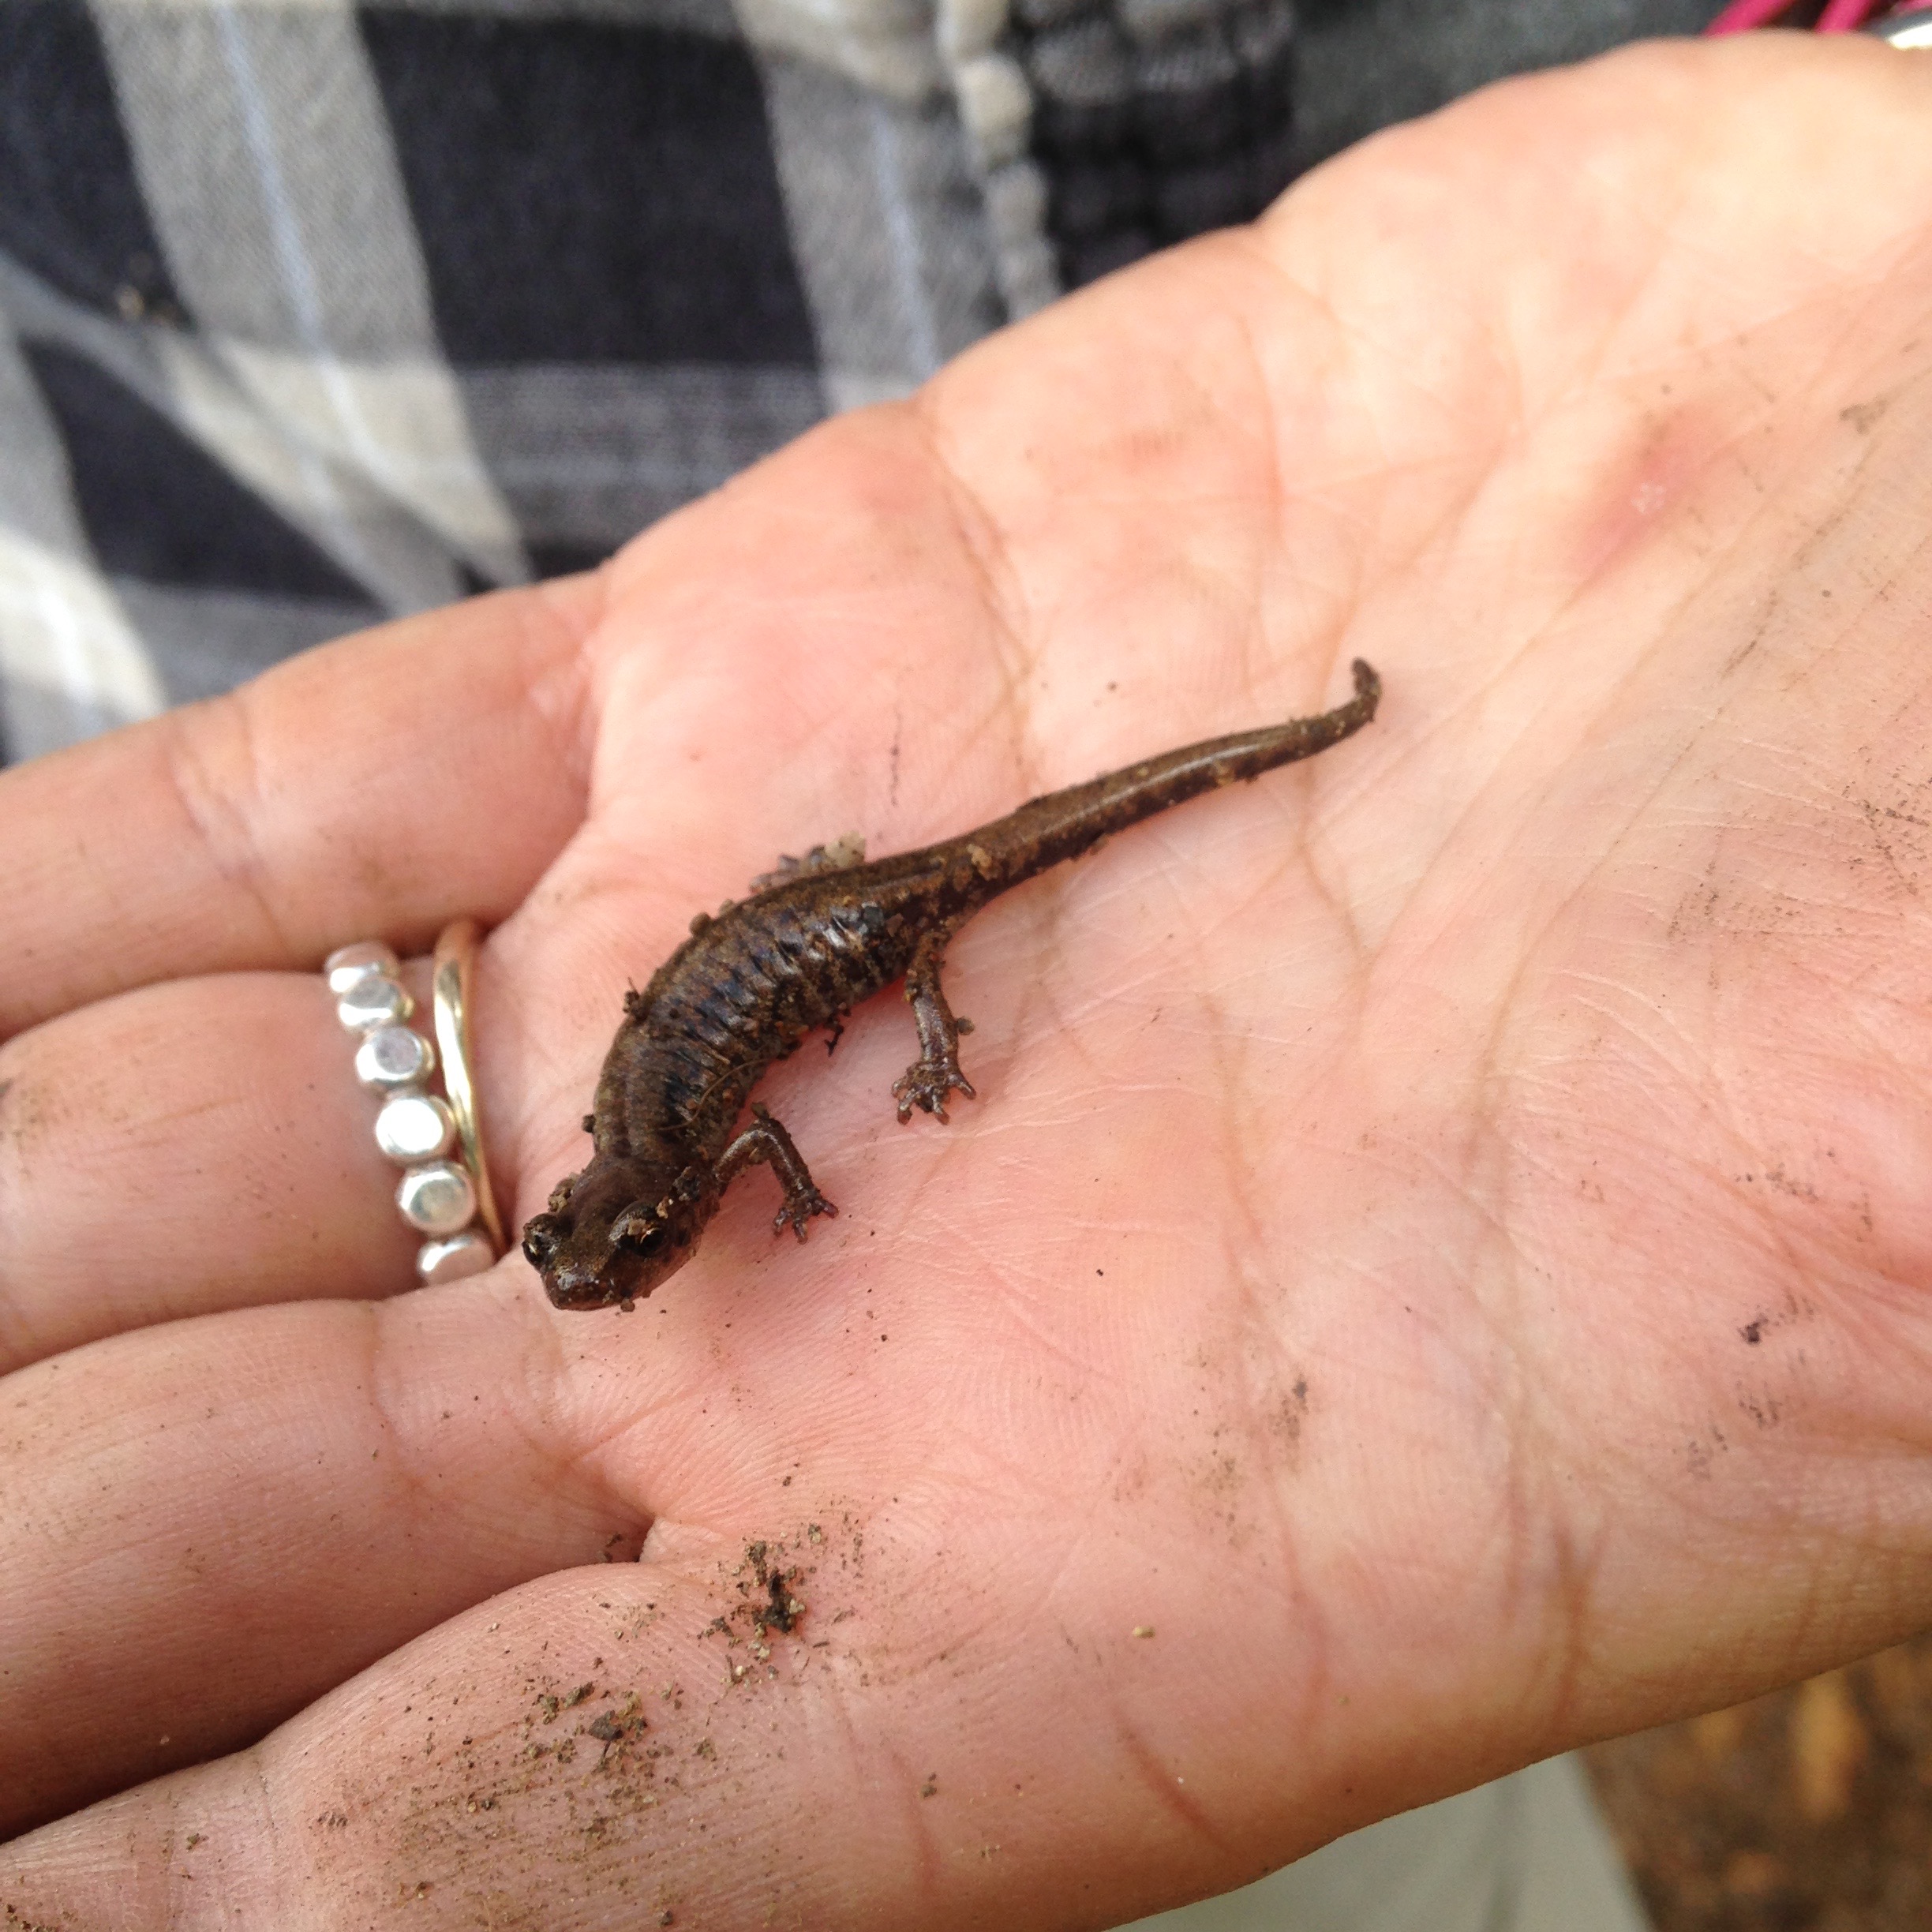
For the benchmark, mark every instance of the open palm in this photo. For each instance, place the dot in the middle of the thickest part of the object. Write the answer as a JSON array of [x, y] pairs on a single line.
[[1434, 1272]]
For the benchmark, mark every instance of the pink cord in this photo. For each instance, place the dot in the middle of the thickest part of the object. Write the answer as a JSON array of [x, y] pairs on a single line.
[[1838, 17], [1741, 16]]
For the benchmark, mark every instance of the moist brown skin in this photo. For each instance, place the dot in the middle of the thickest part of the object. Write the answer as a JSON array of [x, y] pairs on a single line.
[[745, 989]]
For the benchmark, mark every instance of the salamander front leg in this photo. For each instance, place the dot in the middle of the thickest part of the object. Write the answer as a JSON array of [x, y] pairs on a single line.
[[936, 1072], [766, 1140]]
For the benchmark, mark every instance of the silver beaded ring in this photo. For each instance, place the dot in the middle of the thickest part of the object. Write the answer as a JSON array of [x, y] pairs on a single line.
[[448, 1199]]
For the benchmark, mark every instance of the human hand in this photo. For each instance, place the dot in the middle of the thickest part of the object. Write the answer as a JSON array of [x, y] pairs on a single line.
[[1439, 1244]]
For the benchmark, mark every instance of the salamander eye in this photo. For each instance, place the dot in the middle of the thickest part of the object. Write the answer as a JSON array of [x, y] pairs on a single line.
[[638, 1230], [540, 1239]]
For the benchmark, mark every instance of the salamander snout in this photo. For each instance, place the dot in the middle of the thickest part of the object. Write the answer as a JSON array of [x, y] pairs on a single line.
[[613, 1233], [550, 1248]]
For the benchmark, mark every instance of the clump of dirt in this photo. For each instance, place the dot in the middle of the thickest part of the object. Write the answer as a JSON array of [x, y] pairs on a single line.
[[780, 1610], [621, 1725], [769, 1587]]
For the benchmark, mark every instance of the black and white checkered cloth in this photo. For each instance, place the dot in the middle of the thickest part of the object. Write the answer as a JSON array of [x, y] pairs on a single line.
[[313, 313]]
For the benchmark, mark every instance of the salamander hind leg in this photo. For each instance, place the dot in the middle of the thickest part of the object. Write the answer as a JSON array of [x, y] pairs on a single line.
[[936, 1072], [765, 1139]]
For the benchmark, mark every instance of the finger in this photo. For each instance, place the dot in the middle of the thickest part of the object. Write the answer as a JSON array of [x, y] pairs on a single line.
[[379, 787], [209, 1525], [186, 1147], [633, 1742]]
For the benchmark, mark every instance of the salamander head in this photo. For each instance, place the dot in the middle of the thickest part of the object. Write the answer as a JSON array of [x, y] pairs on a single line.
[[612, 1233]]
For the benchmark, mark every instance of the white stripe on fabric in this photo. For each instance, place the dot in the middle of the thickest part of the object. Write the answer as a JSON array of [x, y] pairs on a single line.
[[886, 45], [337, 505], [63, 633], [400, 427], [297, 252], [888, 180], [888, 230]]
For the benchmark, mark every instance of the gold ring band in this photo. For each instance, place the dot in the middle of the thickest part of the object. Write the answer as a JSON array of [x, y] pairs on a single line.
[[450, 988]]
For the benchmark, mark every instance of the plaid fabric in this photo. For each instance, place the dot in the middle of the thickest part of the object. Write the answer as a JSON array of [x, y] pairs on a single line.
[[313, 313]]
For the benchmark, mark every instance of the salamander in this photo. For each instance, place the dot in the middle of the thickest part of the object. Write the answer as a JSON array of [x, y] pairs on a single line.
[[818, 936]]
